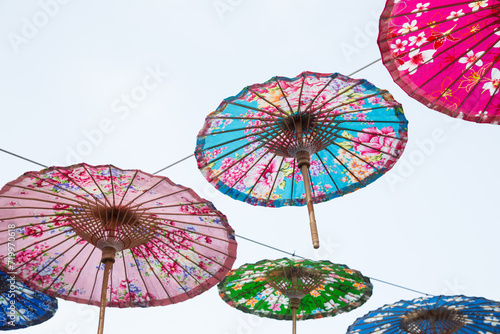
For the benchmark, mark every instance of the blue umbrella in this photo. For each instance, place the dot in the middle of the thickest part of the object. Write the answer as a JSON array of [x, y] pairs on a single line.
[[20, 306], [432, 315]]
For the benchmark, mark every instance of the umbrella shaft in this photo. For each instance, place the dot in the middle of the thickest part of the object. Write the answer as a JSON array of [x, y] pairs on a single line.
[[294, 316], [312, 219], [107, 268]]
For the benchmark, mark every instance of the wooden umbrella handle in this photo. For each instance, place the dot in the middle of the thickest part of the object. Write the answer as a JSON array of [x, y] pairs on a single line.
[[312, 219], [108, 258]]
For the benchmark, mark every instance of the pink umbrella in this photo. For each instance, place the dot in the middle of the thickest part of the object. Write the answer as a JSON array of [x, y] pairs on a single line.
[[148, 241], [445, 54]]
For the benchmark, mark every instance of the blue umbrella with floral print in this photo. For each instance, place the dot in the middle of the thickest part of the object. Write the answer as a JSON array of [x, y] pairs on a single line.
[[432, 315], [302, 140], [21, 306], [105, 236]]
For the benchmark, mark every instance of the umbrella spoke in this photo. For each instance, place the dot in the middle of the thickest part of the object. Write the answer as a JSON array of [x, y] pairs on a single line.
[[80, 272], [275, 179]]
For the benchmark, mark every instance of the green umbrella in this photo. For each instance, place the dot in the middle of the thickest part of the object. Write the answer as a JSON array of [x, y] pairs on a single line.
[[289, 289]]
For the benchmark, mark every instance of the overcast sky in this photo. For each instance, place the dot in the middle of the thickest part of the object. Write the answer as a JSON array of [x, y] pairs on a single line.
[[130, 83]]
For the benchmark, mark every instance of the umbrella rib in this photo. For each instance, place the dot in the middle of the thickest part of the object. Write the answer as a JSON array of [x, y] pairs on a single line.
[[112, 185], [234, 162], [157, 198], [128, 187], [141, 276], [97, 185], [475, 85], [326, 113], [65, 266], [126, 276], [260, 176], [300, 93], [248, 170], [441, 7], [74, 183], [79, 273], [154, 273], [172, 205], [283, 93], [328, 172], [365, 145], [293, 179], [432, 42], [95, 282], [49, 263], [347, 169], [235, 130], [355, 155], [252, 108], [146, 191], [339, 93], [180, 265], [195, 224], [231, 152], [270, 103], [201, 284], [333, 77], [243, 292], [183, 268], [275, 179], [47, 193], [222, 144], [19, 310], [243, 118], [205, 235], [370, 133], [467, 68], [198, 243]]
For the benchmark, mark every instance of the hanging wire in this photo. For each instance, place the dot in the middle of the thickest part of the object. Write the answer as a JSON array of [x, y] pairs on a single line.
[[175, 163], [21, 157], [366, 66], [239, 236], [301, 257], [189, 156]]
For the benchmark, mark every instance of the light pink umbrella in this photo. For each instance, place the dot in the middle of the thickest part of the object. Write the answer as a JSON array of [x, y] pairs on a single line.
[[146, 240]]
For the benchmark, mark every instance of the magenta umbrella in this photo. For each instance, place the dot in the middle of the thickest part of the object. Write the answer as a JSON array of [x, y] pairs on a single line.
[[445, 54], [146, 240]]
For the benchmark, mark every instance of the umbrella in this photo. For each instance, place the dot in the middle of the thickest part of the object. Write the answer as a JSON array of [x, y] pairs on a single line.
[[301, 141], [81, 227], [21, 306], [432, 315], [289, 289], [445, 54]]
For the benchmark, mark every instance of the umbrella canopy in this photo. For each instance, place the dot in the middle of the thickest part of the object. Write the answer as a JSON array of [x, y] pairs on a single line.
[[289, 289], [302, 140], [445, 54], [160, 241], [21, 306], [432, 315]]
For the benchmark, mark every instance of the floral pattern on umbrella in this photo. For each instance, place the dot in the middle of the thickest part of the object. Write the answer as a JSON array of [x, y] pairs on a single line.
[[21, 306], [428, 315], [328, 289], [167, 243], [302, 140], [445, 54]]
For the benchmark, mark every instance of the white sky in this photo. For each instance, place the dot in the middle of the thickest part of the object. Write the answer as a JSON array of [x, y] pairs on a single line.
[[430, 224]]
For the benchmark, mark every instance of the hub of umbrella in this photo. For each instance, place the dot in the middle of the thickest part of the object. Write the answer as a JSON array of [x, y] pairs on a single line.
[[114, 227], [295, 282], [299, 132], [441, 320]]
